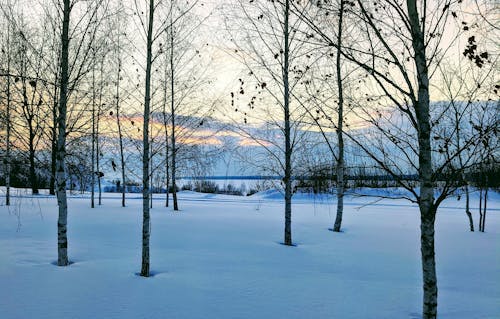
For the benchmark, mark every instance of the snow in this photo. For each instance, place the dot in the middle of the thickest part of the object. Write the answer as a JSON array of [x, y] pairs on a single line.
[[220, 257]]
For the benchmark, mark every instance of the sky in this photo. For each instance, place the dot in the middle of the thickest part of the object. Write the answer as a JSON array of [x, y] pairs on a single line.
[[222, 68]]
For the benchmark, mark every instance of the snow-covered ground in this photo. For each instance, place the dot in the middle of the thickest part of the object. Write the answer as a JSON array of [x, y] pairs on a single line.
[[220, 257]]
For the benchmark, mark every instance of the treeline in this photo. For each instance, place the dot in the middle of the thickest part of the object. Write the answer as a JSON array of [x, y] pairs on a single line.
[[323, 179]]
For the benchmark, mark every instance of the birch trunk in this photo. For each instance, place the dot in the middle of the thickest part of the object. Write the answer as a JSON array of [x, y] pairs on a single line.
[[30, 117], [120, 134], [146, 223], [62, 239], [151, 185], [33, 176], [7, 151], [165, 128], [467, 208], [484, 208], [53, 134], [97, 162], [340, 122], [172, 111], [427, 219], [288, 147], [460, 161], [122, 161], [92, 186], [426, 199], [483, 215], [98, 150], [480, 208], [53, 137], [167, 173]]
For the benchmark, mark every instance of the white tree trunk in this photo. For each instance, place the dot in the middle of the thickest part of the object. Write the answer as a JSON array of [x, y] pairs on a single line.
[[146, 222], [467, 208], [98, 148], [92, 181], [340, 122], [287, 132], [426, 200], [7, 142], [172, 111], [53, 138], [62, 239], [118, 124], [165, 128]]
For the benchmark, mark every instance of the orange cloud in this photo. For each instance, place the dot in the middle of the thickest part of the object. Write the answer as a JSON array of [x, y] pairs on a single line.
[[193, 140]]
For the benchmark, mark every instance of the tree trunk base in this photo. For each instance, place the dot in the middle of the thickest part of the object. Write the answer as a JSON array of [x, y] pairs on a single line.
[[289, 245], [335, 230]]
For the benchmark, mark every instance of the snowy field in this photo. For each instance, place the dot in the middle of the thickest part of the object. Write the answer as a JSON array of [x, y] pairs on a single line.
[[220, 257]]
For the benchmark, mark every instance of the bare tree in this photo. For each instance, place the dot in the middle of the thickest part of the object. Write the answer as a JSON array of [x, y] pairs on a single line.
[[172, 112], [179, 54], [146, 223], [110, 53], [400, 59], [271, 51], [52, 26], [488, 163], [62, 239], [93, 137], [166, 120], [6, 50], [287, 179], [340, 123], [99, 57], [31, 105], [467, 89], [118, 54], [26, 93], [72, 72]]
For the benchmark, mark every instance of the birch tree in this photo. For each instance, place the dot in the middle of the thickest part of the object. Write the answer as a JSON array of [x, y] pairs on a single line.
[[340, 122], [25, 94], [146, 223], [172, 111], [185, 75], [118, 47], [30, 100], [166, 120], [400, 60], [266, 39], [62, 239], [73, 69], [99, 58], [467, 89], [6, 55]]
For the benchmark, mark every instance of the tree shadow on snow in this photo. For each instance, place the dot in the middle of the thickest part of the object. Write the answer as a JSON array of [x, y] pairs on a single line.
[[340, 232], [151, 274], [71, 262], [292, 245]]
